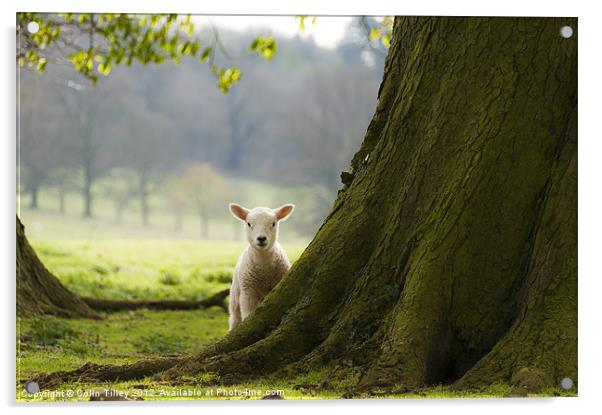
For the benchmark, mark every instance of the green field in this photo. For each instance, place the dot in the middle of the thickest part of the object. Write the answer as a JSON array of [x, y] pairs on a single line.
[[93, 259]]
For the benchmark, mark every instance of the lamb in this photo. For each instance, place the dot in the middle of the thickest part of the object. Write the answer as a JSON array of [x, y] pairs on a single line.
[[262, 264]]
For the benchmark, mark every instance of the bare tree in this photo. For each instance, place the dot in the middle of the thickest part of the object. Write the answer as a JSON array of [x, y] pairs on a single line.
[[148, 145], [119, 186], [64, 180], [205, 188], [41, 141], [177, 201], [90, 112]]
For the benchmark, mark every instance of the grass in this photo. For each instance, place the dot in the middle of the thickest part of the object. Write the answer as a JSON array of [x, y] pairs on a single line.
[[144, 267], [119, 338], [110, 265], [97, 258]]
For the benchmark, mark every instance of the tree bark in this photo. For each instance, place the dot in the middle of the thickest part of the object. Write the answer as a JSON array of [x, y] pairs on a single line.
[[450, 255]]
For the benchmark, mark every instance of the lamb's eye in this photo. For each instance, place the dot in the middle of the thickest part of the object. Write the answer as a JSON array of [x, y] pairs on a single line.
[[273, 224], [249, 224]]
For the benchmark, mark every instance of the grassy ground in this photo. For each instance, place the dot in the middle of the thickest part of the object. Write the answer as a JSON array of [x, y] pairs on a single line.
[[148, 267]]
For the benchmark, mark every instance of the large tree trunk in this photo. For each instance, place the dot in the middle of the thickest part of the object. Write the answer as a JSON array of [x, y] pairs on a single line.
[[450, 256], [40, 292]]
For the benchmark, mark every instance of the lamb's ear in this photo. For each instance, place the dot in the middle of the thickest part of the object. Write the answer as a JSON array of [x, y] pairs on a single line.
[[283, 212], [238, 211]]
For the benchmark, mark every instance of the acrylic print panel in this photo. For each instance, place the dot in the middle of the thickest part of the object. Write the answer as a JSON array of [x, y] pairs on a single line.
[[419, 173]]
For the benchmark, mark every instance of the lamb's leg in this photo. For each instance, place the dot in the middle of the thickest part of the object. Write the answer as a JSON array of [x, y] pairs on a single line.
[[248, 302], [234, 308], [234, 319]]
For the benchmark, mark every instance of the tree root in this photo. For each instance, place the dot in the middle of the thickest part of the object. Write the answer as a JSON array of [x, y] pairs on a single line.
[[93, 373], [123, 305]]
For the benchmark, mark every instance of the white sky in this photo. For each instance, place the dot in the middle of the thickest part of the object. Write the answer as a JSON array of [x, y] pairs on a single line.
[[327, 31]]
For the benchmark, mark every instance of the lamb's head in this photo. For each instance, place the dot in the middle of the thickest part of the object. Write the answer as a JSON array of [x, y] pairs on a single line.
[[261, 223]]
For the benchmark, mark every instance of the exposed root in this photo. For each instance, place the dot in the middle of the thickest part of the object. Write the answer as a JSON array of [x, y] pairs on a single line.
[[93, 373], [122, 305]]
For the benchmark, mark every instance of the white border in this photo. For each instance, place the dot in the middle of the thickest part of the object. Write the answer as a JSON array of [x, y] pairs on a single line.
[[589, 184]]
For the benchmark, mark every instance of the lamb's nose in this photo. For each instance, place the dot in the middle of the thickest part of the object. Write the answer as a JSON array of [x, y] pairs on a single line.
[[261, 239]]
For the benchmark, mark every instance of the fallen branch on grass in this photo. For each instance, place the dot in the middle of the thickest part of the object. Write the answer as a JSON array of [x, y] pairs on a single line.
[[122, 305]]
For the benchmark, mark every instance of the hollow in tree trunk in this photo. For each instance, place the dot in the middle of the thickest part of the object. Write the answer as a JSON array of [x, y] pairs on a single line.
[[450, 256]]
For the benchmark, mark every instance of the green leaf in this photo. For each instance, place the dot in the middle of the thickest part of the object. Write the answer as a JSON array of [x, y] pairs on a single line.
[[386, 41], [264, 46], [226, 77], [205, 55], [374, 33], [104, 68], [41, 65]]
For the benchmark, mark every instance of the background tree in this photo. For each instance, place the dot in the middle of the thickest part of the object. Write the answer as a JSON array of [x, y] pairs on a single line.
[[119, 186], [155, 123], [90, 141], [451, 254], [204, 187], [42, 141], [338, 112], [147, 142], [177, 201], [63, 180]]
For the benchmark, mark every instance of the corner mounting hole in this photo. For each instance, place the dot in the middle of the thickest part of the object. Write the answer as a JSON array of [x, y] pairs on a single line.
[[33, 27], [32, 387], [566, 383], [566, 31]]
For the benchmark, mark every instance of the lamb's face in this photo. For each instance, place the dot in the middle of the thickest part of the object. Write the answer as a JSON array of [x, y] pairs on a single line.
[[261, 223], [262, 228]]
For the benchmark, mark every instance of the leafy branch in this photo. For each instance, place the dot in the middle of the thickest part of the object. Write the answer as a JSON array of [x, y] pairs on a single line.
[[93, 44]]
